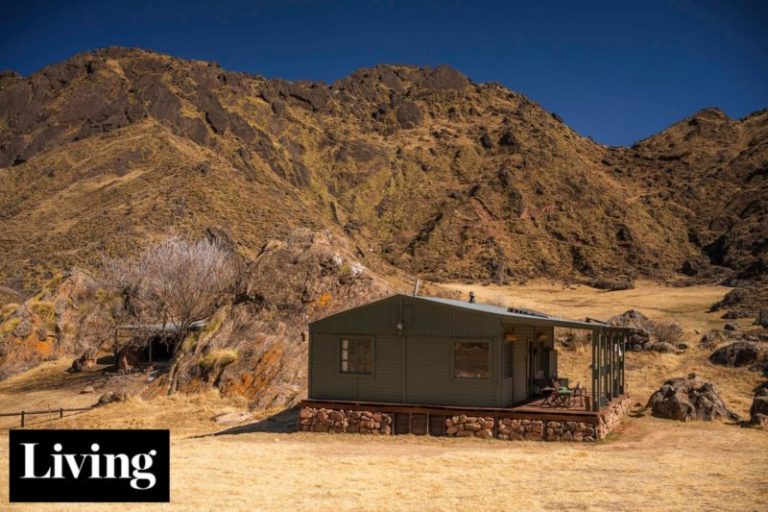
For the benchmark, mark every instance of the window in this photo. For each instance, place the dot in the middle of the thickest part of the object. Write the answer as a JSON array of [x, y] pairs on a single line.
[[471, 360], [356, 356], [509, 359]]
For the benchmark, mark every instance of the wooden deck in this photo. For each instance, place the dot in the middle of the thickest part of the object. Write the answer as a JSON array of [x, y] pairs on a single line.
[[537, 406]]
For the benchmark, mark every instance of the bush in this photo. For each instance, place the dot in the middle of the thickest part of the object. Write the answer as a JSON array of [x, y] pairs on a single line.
[[9, 326], [666, 332], [611, 284], [218, 358], [8, 310], [46, 311]]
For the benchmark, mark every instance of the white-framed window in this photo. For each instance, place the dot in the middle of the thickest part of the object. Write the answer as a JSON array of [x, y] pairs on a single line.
[[356, 356]]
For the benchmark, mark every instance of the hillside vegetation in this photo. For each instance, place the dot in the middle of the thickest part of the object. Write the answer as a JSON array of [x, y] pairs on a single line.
[[419, 169]]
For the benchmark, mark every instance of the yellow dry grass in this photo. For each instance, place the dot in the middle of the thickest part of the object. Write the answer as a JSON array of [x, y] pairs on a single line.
[[656, 465], [649, 464]]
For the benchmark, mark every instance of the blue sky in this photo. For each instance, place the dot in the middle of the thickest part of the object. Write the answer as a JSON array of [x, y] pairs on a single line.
[[618, 71]]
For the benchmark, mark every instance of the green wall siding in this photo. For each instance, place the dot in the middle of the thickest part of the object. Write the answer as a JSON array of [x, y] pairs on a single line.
[[416, 364], [430, 380], [326, 381], [385, 385], [520, 375]]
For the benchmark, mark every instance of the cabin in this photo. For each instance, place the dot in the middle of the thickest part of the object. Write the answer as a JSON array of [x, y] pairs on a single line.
[[410, 354]]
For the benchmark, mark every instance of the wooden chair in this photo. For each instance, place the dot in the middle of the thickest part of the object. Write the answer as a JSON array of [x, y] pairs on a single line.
[[559, 395], [579, 395]]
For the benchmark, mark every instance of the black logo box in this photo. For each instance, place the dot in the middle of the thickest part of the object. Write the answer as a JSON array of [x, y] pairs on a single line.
[[131, 443]]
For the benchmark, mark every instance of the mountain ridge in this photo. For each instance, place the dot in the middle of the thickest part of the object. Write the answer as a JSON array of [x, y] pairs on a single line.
[[422, 169]]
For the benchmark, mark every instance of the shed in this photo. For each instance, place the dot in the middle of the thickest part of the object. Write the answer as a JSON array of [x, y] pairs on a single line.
[[430, 351]]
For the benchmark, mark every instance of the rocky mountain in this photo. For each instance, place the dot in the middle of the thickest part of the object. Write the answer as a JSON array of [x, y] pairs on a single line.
[[421, 170]]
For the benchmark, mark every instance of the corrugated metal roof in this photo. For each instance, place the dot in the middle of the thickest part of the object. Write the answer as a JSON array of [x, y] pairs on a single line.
[[502, 311], [163, 327], [536, 318]]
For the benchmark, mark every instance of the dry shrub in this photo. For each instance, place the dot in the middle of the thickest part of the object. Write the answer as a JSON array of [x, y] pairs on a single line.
[[665, 332], [572, 339], [218, 358], [8, 310], [497, 300], [611, 284]]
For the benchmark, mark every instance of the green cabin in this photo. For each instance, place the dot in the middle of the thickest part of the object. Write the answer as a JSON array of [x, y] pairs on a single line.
[[419, 350]]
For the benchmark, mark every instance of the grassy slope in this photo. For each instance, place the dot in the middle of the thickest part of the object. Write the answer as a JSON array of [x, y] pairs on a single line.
[[651, 464]]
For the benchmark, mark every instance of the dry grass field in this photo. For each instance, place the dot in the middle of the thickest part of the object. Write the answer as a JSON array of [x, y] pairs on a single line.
[[652, 465], [649, 464]]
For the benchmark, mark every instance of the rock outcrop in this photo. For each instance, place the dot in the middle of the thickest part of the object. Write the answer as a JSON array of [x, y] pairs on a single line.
[[739, 353], [648, 334], [689, 398]]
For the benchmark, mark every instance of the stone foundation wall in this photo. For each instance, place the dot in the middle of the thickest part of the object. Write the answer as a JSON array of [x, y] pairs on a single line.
[[571, 431], [611, 416], [518, 430], [339, 421], [485, 427], [469, 426]]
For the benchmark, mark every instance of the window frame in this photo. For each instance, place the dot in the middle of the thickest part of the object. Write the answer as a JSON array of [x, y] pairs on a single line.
[[509, 359], [371, 355], [489, 360]]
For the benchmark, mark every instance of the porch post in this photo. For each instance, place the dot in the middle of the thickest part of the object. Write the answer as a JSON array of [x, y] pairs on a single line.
[[614, 364], [600, 373], [595, 371], [622, 386], [609, 387], [609, 369]]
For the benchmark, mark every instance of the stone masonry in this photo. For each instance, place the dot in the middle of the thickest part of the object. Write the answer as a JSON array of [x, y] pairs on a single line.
[[519, 430], [469, 426], [485, 427], [339, 421]]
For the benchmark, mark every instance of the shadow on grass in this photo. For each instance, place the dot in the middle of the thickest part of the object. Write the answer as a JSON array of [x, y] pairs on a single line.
[[284, 422]]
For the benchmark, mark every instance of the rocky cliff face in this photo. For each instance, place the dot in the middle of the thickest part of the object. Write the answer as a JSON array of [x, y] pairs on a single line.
[[419, 169]]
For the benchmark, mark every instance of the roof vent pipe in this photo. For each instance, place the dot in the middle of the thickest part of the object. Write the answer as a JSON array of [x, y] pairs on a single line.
[[471, 297]]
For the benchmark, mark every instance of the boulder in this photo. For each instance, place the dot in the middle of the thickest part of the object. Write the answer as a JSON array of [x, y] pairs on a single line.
[[689, 398], [640, 336], [732, 326], [663, 347], [112, 396], [24, 328], [86, 360], [408, 114], [762, 318], [759, 406], [712, 338], [758, 412], [739, 353], [445, 78], [232, 417]]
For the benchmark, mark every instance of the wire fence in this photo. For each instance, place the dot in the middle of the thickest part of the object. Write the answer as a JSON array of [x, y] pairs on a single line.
[[60, 411]]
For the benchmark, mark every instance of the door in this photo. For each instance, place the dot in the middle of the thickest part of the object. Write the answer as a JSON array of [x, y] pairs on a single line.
[[530, 370]]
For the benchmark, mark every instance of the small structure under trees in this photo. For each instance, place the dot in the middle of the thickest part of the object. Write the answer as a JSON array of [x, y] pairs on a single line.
[[168, 291]]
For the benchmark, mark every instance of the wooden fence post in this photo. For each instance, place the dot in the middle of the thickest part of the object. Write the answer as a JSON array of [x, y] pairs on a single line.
[[61, 413], [22, 419]]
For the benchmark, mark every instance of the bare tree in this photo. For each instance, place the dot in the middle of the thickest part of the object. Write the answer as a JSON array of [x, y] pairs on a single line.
[[171, 285]]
